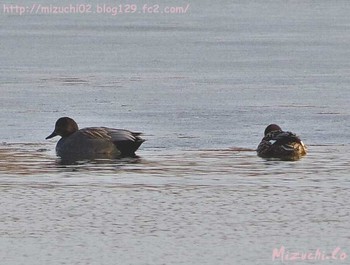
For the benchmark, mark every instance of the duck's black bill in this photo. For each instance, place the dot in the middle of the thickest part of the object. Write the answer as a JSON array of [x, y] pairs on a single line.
[[51, 135]]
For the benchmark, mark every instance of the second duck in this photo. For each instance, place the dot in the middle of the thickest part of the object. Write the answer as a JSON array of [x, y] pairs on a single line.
[[280, 144]]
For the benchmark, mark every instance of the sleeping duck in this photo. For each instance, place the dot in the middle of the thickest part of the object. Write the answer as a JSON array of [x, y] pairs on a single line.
[[280, 144]]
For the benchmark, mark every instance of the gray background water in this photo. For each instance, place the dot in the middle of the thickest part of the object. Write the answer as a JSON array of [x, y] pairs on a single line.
[[200, 85]]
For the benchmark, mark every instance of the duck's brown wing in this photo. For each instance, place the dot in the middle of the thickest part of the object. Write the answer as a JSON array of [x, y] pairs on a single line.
[[127, 142], [288, 137], [281, 137]]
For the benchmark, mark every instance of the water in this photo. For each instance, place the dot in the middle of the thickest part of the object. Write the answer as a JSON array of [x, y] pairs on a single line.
[[202, 86]]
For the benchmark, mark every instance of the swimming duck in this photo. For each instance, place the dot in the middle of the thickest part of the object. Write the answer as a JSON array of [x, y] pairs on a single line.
[[94, 142], [280, 144]]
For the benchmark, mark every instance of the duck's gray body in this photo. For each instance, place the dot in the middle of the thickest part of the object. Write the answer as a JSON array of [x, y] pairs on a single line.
[[99, 141], [94, 141]]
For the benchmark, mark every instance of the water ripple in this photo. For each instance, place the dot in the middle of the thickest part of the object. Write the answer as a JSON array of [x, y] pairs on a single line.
[[36, 163]]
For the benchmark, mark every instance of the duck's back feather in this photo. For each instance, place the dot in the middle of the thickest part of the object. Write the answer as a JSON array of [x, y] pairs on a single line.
[[114, 135]]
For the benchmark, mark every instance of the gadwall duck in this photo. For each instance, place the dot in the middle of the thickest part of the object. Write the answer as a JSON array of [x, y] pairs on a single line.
[[94, 141], [280, 144]]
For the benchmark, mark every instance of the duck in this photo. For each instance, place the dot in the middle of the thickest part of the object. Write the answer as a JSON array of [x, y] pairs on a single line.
[[94, 142], [280, 144]]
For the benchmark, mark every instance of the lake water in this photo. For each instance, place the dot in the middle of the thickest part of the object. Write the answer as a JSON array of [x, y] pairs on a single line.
[[202, 86]]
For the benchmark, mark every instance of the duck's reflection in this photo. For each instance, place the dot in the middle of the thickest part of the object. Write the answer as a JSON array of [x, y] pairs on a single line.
[[101, 159], [33, 159]]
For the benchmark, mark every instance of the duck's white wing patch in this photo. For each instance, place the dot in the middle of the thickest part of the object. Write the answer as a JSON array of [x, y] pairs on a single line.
[[272, 142]]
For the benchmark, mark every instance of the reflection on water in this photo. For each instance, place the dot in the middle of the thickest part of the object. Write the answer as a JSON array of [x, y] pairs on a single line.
[[24, 159], [207, 165]]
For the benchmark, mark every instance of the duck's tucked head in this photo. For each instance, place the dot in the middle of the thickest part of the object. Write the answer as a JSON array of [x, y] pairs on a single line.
[[271, 128], [64, 127]]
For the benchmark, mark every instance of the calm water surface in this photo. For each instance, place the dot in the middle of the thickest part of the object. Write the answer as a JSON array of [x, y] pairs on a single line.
[[202, 86]]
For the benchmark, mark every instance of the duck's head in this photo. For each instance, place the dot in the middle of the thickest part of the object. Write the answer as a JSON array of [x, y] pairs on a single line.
[[64, 127], [271, 128]]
